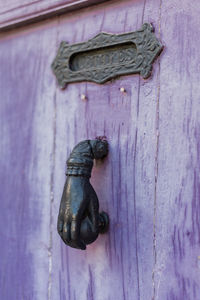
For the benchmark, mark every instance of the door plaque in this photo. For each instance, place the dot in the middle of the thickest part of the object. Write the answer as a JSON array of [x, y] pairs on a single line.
[[106, 56]]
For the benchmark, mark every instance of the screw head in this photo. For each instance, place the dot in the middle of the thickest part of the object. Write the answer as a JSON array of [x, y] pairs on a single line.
[[122, 90], [83, 97]]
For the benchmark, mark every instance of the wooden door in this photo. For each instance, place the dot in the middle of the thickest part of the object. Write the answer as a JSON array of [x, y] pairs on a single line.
[[149, 184]]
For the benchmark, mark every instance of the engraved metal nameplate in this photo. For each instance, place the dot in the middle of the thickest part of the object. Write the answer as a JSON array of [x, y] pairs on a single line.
[[106, 56]]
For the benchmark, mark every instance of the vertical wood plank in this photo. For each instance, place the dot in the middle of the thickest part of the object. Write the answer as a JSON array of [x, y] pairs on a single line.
[[27, 112], [177, 270], [119, 264]]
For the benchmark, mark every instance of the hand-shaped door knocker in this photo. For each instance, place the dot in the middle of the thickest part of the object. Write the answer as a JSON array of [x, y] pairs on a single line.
[[79, 221]]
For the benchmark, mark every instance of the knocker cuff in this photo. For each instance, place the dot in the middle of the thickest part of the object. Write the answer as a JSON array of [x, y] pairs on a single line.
[[78, 171]]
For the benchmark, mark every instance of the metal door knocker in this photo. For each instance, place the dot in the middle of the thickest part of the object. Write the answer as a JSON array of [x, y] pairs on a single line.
[[79, 220]]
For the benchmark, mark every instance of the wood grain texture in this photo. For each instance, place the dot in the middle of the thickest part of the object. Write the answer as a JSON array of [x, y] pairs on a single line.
[[27, 110], [119, 264], [177, 268], [14, 14], [149, 184]]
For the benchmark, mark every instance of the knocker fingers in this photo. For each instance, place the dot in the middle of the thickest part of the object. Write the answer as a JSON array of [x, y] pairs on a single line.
[[60, 223], [75, 233], [94, 215], [66, 234]]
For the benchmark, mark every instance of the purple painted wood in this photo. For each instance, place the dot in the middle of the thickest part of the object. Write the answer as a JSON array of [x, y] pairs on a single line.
[[119, 264], [149, 183], [177, 206], [27, 120], [18, 13]]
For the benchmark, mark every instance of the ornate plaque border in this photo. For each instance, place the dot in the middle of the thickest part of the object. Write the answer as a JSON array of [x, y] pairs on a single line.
[[148, 47]]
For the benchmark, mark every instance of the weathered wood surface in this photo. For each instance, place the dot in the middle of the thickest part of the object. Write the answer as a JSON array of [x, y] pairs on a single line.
[[18, 13], [177, 228], [27, 126], [149, 184]]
